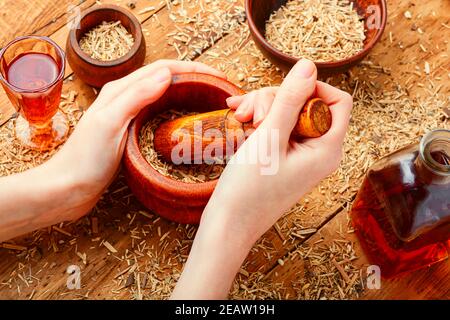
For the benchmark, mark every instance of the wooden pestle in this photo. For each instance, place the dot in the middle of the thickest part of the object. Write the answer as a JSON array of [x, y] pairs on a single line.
[[314, 121]]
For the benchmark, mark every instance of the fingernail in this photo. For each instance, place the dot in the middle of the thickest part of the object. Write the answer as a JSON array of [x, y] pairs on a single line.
[[257, 122], [232, 100], [305, 68], [162, 75], [241, 111], [238, 113]]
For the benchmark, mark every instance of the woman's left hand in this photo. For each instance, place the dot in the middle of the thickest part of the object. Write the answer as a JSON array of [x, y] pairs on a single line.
[[69, 185], [94, 151]]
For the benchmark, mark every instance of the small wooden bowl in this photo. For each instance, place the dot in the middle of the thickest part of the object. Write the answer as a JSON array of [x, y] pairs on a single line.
[[95, 72], [259, 11], [174, 200]]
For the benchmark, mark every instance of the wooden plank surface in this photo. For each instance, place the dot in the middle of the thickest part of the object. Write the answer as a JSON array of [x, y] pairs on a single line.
[[428, 283], [41, 17], [402, 53], [149, 256], [59, 33], [19, 18]]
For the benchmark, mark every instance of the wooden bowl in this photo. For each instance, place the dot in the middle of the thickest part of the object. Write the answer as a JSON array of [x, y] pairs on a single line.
[[95, 72], [174, 200], [259, 11]]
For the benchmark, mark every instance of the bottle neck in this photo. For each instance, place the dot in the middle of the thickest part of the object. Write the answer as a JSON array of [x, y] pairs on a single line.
[[433, 162]]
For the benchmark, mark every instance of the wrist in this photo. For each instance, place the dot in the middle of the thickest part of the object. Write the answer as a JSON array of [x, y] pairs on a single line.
[[70, 195], [219, 225], [214, 260], [51, 192], [40, 195]]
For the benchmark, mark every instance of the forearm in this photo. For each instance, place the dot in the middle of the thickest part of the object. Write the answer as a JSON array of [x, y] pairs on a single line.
[[213, 263], [31, 200]]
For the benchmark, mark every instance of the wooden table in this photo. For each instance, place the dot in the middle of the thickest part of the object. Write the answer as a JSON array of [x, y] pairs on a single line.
[[126, 252]]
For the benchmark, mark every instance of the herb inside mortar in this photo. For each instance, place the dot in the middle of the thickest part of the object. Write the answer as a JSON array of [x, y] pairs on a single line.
[[194, 173]]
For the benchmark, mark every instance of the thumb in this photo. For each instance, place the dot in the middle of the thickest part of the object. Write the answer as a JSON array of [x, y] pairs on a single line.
[[140, 94], [298, 86]]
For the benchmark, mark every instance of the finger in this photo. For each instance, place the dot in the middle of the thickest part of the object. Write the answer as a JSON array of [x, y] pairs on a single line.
[[263, 104], [114, 88], [191, 66], [296, 89], [244, 113], [142, 93], [329, 94], [175, 67], [235, 101], [258, 115], [341, 104], [257, 105]]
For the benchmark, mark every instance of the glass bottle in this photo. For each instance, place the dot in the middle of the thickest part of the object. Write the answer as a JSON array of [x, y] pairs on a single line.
[[402, 211]]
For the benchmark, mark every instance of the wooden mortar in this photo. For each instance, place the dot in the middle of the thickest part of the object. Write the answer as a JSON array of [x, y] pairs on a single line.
[[313, 122]]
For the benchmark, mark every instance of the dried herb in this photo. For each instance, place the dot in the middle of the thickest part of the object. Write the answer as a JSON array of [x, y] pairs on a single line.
[[186, 173], [107, 41], [321, 30], [196, 32]]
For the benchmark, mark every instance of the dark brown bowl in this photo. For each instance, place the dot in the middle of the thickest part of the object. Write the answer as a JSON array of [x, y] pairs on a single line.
[[259, 11], [95, 72], [174, 200]]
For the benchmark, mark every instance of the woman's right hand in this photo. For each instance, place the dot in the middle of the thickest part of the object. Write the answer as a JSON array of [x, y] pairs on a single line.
[[253, 193], [257, 194]]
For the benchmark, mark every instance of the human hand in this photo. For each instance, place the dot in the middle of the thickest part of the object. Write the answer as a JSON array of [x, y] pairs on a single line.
[[91, 156], [254, 200], [250, 196], [253, 106]]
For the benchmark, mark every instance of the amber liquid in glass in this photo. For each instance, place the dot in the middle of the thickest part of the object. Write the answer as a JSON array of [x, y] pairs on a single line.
[[402, 215], [33, 72]]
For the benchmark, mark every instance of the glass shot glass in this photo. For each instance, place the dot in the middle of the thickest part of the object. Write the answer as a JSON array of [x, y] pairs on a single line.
[[32, 73]]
